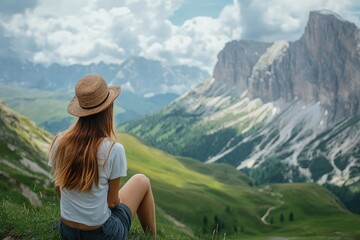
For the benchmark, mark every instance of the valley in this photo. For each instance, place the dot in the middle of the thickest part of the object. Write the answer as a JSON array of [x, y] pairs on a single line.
[[193, 200]]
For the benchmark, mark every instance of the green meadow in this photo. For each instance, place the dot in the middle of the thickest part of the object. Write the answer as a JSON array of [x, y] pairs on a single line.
[[194, 201]]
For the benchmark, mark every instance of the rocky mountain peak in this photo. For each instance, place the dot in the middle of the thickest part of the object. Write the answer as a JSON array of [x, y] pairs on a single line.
[[326, 30], [235, 63], [322, 66]]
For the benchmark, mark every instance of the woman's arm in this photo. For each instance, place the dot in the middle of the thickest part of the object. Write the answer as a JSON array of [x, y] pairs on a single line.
[[113, 193]]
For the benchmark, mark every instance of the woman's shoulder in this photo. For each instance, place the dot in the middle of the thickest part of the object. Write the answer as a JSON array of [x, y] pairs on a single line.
[[110, 143], [110, 146], [118, 147]]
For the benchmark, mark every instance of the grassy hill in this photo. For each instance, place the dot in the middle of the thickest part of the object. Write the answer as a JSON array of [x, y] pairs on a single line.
[[193, 200]]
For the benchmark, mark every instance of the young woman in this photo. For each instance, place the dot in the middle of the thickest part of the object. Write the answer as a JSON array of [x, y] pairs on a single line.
[[88, 164]]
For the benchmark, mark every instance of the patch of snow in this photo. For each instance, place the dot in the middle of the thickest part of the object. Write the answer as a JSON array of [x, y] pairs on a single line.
[[177, 89], [305, 172], [248, 163], [127, 86], [217, 157], [323, 179], [344, 176], [149, 95]]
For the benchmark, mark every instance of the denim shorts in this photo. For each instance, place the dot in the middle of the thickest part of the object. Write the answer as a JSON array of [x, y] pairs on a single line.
[[115, 228]]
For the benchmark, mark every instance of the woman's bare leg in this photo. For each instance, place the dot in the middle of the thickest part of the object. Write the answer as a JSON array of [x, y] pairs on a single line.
[[137, 195]]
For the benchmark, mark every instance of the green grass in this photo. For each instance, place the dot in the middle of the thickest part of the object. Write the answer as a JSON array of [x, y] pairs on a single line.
[[316, 212]]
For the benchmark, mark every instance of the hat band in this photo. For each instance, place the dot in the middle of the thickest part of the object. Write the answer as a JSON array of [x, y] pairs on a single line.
[[98, 104]]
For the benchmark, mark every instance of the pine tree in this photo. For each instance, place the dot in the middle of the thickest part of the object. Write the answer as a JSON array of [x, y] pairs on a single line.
[[281, 217], [291, 217]]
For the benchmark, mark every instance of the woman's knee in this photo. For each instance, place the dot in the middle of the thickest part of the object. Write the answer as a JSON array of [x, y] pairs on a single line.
[[142, 180]]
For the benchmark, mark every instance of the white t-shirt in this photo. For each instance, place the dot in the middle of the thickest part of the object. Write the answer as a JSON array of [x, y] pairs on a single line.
[[91, 208]]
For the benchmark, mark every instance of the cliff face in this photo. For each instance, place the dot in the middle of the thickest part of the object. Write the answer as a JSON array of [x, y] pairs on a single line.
[[322, 66], [235, 63]]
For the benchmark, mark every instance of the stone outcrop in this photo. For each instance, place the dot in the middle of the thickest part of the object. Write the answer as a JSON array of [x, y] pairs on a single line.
[[235, 63]]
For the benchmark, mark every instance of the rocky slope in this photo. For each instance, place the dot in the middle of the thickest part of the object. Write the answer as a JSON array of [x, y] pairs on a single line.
[[23, 162]]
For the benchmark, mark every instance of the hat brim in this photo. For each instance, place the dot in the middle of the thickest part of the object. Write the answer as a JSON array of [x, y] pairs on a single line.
[[75, 109]]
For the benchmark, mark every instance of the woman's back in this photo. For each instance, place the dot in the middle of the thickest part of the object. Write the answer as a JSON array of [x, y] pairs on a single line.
[[91, 208]]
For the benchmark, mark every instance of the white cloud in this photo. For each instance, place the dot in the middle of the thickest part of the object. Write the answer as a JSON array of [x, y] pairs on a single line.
[[198, 40], [273, 20], [91, 31]]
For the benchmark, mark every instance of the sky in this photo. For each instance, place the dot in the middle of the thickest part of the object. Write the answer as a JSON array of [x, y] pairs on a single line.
[[190, 32]]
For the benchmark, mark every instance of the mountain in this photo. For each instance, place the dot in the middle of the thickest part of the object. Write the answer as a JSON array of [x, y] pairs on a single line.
[[193, 201], [322, 66], [25, 74], [281, 112], [36, 90], [147, 78]]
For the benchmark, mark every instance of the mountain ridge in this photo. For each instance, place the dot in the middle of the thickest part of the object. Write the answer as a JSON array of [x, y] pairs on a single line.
[[19, 73]]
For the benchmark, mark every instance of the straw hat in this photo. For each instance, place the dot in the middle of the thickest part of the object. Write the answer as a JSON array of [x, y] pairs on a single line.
[[92, 95]]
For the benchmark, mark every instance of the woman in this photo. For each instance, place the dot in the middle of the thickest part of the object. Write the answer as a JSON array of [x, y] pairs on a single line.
[[88, 164]]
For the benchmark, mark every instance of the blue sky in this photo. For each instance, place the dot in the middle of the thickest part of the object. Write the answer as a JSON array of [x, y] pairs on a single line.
[[190, 32], [194, 8]]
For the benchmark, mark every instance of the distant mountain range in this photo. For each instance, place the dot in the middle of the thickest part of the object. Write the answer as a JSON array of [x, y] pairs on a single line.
[[282, 112], [147, 78], [147, 85], [143, 77]]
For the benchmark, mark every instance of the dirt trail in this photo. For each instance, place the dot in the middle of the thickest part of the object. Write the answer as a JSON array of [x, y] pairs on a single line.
[[177, 223], [268, 190]]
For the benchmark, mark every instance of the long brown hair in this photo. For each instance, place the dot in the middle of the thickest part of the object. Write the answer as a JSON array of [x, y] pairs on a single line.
[[75, 161]]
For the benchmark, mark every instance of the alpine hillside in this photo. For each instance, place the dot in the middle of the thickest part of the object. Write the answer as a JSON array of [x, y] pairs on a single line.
[[281, 112]]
